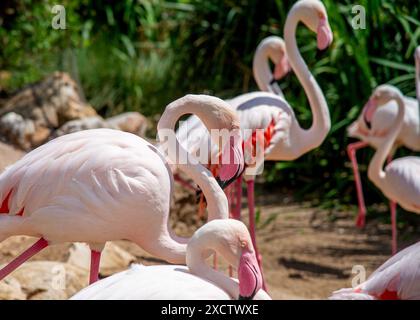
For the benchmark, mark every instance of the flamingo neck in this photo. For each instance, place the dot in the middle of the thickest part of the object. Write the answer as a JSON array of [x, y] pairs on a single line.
[[198, 251], [375, 170], [262, 72], [217, 204], [417, 75], [321, 124]]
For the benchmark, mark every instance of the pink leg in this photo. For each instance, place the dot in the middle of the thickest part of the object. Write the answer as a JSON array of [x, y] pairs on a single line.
[[238, 205], [26, 255], [393, 206], [251, 208], [351, 151], [184, 182], [393, 209], [95, 259]]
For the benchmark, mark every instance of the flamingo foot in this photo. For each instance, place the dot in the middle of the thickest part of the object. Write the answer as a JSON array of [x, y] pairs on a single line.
[[95, 259], [23, 257]]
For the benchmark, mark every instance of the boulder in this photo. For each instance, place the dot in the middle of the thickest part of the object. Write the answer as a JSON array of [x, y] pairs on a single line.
[[30, 115], [132, 122], [94, 122], [44, 280]]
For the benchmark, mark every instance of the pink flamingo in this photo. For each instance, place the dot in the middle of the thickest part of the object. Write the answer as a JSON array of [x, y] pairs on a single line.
[[229, 238], [267, 111], [371, 128], [99, 185], [397, 279]]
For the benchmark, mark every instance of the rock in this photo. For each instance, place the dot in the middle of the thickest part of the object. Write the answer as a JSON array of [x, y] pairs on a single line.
[[46, 280], [113, 258], [94, 122], [29, 116], [10, 289], [8, 155], [132, 122]]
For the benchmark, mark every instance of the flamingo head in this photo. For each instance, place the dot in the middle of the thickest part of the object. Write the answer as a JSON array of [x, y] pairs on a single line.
[[277, 54], [315, 17], [231, 239], [232, 157], [380, 96], [249, 273]]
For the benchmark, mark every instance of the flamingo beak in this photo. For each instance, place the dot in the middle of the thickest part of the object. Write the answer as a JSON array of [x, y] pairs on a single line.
[[368, 112], [249, 275], [324, 34], [232, 158], [281, 68]]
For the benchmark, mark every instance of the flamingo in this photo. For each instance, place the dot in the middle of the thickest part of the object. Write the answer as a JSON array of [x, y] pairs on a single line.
[[230, 238], [397, 279], [100, 185], [371, 129], [283, 138]]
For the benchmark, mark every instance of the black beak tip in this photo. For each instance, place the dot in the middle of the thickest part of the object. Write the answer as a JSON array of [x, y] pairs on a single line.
[[272, 81], [321, 53], [244, 298], [368, 124]]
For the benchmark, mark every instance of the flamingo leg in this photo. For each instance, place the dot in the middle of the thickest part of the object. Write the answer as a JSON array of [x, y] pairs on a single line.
[[235, 207], [393, 209], [184, 182], [393, 206], [251, 208], [24, 256], [351, 151], [95, 260], [238, 204]]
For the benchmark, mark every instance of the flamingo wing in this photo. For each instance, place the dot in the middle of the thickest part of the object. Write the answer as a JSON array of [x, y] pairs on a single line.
[[398, 277]]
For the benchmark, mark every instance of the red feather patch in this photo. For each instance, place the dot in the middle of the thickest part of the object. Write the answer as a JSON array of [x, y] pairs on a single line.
[[5, 204]]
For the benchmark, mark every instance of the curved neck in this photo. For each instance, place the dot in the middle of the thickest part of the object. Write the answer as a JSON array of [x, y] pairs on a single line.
[[217, 204], [375, 170], [197, 252], [417, 75], [262, 73], [321, 124]]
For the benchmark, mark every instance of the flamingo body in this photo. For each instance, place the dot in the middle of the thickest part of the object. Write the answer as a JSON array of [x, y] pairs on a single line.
[[402, 183], [86, 187], [397, 278]]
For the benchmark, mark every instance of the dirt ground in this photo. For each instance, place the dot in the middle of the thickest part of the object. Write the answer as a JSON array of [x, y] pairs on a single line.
[[306, 253]]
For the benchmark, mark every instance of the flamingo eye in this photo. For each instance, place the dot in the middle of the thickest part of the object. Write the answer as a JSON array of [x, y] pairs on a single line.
[[243, 244]]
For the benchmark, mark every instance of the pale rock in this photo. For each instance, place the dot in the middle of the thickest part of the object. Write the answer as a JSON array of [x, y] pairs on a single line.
[[132, 122], [10, 289]]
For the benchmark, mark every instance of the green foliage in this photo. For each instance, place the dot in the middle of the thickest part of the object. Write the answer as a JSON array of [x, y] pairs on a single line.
[[140, 55]]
